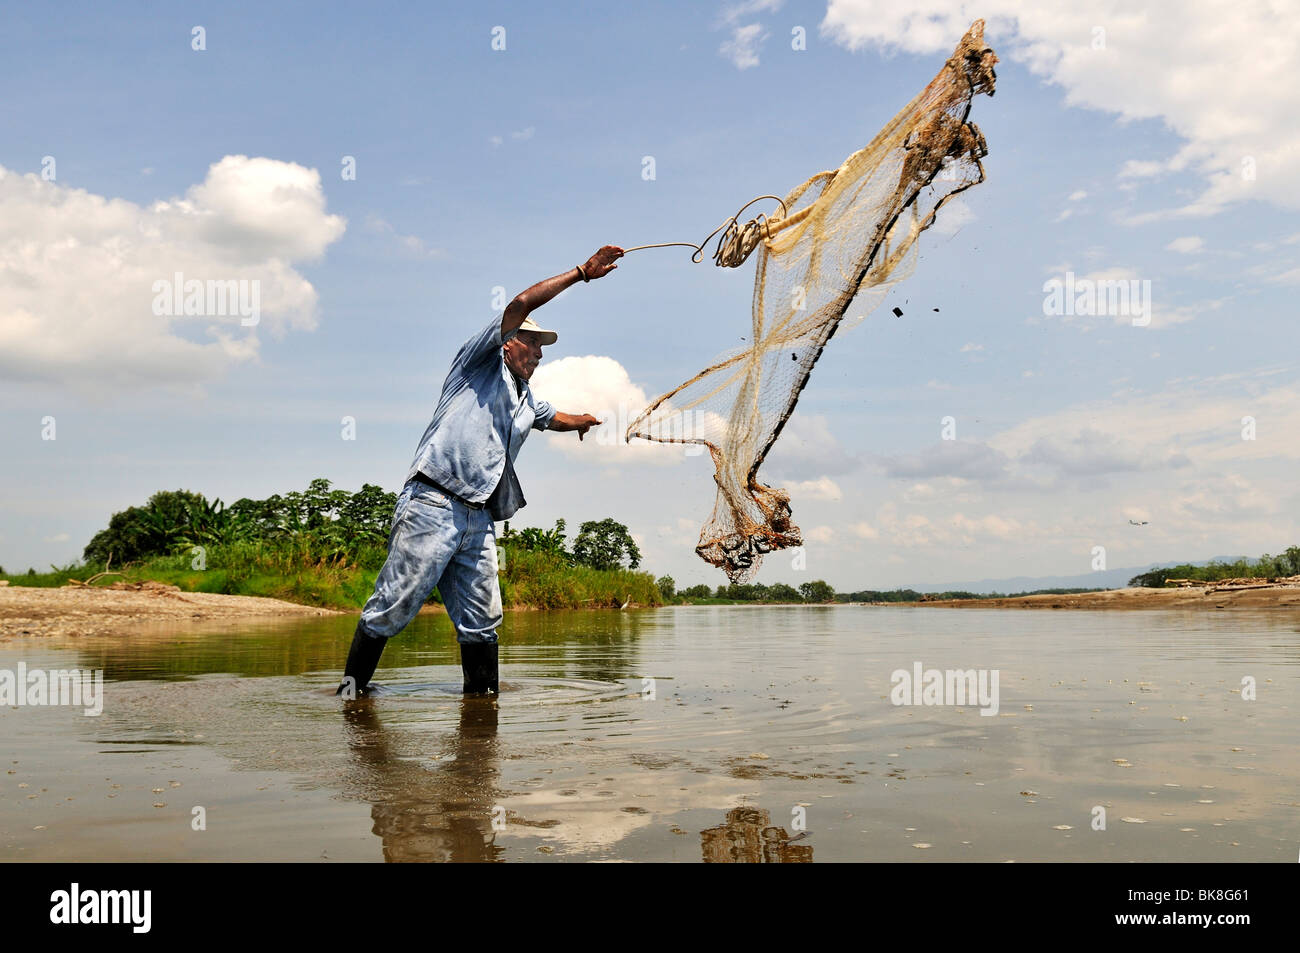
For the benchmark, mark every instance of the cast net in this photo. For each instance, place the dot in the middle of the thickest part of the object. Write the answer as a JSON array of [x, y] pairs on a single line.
[[841, 240]]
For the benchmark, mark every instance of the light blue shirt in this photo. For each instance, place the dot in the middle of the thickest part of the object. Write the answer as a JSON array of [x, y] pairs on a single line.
[[484, 415]]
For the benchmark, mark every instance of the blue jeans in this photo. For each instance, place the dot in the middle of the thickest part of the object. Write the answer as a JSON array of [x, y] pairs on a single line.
[[437, 541]]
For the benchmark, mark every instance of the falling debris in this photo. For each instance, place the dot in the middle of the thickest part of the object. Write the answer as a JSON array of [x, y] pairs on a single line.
[[898, 312]]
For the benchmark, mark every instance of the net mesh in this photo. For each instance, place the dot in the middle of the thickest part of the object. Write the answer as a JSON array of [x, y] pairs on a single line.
[[844, 239]]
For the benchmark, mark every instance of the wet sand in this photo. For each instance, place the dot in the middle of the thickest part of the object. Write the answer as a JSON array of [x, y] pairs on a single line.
[[1193, 597], [30, 611]]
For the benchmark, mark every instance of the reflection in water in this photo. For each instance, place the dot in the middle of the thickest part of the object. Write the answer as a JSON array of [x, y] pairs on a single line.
[[749, 837], [440, 812], [1141, 712]]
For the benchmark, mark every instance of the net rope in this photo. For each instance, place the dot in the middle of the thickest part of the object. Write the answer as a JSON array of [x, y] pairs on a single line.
[[841, 239]]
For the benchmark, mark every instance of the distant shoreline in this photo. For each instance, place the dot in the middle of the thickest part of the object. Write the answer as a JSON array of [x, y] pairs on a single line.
[[75, 611], [1208, 596]]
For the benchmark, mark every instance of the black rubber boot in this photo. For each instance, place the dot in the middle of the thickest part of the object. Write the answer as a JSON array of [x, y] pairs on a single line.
[[363, 659], [478, 662]]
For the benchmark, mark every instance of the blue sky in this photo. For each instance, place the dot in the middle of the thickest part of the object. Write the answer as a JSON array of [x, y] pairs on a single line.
[[479, 168]]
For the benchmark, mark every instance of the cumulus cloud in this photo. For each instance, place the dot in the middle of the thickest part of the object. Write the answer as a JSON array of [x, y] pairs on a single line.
[[823, 488], [1229, 497], [1090, 452], [917, 531], [819, 534], [1165, 60], [600, 386], [78, 273]]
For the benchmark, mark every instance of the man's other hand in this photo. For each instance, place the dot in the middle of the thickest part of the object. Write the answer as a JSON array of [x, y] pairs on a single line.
[[580, 422]]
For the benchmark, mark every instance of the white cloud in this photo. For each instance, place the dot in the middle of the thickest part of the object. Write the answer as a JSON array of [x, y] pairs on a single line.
[[823, 488], [77, 273], [1200, 418], [1291, 277], [954, 216], [732, 13], [58, 538], [1186, 245], [412, 244], [742, 49], [819, 534], [746, 39], [864, 530], [1227, 498], [600, 386], [1164, 59]]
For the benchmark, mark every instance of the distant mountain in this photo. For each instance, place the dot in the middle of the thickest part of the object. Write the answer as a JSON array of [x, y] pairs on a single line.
[[1103, 579]]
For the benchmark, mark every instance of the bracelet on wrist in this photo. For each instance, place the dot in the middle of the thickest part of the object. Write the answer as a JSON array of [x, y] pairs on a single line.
[[582, 273]]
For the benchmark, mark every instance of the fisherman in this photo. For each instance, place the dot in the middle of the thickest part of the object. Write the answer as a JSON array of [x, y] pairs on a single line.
[[462, 480]]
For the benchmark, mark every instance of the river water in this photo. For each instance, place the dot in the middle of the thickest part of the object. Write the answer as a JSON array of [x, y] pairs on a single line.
[[680, 734]]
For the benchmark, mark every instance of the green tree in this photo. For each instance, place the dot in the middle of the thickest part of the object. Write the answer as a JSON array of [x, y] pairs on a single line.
[[536, 540], [667, 587], [151, 530], [782, 592], [1292, 556], [605, 545], [817, 591]]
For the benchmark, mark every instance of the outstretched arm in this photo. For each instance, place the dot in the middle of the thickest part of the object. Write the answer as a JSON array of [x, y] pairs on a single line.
[[579, 422], [597, 266]]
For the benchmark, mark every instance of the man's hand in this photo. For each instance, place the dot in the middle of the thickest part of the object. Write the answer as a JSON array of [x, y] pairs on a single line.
[[602, 263], [530, 299], [586, 421], [579, 422]]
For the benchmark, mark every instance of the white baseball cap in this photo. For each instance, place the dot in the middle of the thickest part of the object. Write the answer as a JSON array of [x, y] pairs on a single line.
[[548, 337]]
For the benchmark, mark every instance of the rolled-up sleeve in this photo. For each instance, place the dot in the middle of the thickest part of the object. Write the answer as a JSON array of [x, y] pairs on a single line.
[[545, 414]]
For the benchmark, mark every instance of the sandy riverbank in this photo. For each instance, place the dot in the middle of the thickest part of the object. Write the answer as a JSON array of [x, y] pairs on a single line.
[[32, 612], [1195, 597]]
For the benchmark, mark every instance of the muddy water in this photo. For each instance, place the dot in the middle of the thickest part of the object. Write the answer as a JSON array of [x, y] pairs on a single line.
[[717, 734]]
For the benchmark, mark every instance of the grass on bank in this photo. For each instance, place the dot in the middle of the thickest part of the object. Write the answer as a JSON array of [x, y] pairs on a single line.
[[295, 574]]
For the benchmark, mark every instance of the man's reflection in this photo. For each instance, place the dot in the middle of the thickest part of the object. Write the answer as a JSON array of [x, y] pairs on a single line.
[[433, 812]]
